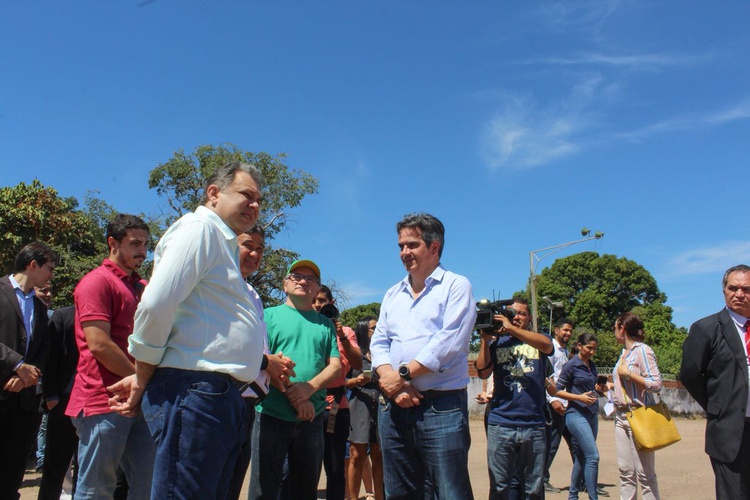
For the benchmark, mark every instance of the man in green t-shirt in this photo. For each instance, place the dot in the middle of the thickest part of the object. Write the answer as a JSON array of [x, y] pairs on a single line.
[[290, 425]]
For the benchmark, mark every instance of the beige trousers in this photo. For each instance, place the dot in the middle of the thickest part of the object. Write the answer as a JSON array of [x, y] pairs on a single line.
[[635, 465]]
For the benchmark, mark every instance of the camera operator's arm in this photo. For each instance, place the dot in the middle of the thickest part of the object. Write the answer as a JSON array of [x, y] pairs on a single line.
[[535, 340], [484, 362], [348, 343]]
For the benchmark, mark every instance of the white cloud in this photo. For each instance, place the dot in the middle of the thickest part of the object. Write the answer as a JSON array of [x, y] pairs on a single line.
[[350, 184], [709, 260], [629, 61], [522, 135], [591, 14], [738, 111]]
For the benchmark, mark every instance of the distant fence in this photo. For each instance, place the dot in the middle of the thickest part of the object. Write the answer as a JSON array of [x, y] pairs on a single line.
[[673, 393]]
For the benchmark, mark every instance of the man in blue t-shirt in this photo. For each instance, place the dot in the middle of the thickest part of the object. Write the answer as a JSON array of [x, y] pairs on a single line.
[[516, 440]]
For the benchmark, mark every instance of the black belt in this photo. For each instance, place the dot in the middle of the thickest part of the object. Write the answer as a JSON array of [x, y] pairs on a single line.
[[435, 394], [243, 386]]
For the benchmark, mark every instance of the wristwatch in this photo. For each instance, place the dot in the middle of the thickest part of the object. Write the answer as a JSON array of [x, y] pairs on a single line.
[[404, 371]]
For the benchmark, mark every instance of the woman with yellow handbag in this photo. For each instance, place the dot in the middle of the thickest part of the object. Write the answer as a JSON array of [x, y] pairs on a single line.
[[635, 375]]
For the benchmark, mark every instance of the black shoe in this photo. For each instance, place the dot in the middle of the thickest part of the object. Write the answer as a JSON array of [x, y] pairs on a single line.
[[601, 492], [551, 489]]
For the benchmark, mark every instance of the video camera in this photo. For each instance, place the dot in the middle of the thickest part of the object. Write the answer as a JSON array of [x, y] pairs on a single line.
[[330, 311], [486, 311]]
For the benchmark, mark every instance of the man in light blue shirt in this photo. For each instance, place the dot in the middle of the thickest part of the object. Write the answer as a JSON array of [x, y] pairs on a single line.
[[197, 341], [420, 353]]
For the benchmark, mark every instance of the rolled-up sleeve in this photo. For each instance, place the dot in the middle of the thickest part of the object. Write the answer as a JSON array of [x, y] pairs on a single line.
[[181, 260]]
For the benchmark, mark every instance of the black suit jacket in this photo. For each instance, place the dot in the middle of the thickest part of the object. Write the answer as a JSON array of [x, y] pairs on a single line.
[[63, 357], [13, 342], [714, 371]]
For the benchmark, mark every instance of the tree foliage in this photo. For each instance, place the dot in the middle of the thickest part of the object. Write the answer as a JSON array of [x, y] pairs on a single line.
[[350, 317], [181, 182], [596, 289], [34, 212]]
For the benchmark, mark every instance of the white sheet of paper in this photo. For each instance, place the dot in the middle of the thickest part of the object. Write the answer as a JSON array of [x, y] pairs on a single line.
[[609, 408]]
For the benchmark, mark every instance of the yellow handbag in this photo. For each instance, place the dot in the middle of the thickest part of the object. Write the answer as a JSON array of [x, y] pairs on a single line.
[[652, 426]]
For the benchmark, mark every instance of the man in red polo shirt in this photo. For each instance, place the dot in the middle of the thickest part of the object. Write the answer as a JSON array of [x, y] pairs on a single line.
[[106, 300]]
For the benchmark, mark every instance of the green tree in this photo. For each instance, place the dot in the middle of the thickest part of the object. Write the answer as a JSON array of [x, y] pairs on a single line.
[[662, 335], [33, 212], [181, 181], [596, 289], [351, 316]]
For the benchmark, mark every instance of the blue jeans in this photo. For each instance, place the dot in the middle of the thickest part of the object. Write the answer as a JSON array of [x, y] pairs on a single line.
[[426, 448], [195, 418], [555, 433], [41, 441], [584, 427], [516, 451], [275, 440], [107, 441]]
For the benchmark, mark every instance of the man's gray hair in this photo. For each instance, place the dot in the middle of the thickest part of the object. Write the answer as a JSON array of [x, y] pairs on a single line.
[[741, 268], [430, 226], [224, 176]]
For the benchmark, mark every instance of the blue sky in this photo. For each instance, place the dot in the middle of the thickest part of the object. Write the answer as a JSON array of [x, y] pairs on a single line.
[[515, 123]]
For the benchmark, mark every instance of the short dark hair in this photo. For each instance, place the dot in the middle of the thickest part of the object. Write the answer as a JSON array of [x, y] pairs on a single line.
[[430, 227], [35, 251], [324, 289], [632, 324], [741, 268], [520, 300], [257, 229], [587, 338], [120, 224], [564, 321], [224, 176]]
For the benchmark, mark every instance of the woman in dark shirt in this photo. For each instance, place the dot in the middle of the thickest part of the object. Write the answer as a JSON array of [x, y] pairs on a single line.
[[578, 384]]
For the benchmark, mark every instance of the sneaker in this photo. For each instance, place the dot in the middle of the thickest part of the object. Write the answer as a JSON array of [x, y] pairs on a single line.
[[550, 489]]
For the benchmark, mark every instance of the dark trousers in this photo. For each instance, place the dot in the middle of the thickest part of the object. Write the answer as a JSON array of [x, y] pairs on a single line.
[[334, 453], [62, 442], [18, 428], [243, 458], [733, 479], [555, 433]]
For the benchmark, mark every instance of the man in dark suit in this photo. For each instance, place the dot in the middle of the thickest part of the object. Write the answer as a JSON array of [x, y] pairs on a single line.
[[715, 372], [62, 439], [24, 346]]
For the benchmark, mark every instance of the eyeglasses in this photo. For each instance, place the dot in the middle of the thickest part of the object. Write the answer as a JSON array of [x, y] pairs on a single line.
[[299, 277]]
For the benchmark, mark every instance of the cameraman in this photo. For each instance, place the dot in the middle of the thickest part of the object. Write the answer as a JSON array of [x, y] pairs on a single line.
[[516, 438]]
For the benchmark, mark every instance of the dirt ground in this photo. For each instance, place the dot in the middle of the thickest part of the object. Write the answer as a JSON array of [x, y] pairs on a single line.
[[683, 469]]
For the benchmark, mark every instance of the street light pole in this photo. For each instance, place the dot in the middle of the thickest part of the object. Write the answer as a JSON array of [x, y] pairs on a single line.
[[551, 305], [534, 259]]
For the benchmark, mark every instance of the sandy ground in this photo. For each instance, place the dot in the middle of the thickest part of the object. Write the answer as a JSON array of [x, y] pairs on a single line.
[[683, 469]]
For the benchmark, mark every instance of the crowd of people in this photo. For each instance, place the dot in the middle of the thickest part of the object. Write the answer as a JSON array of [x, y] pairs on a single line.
[[175, 386]]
